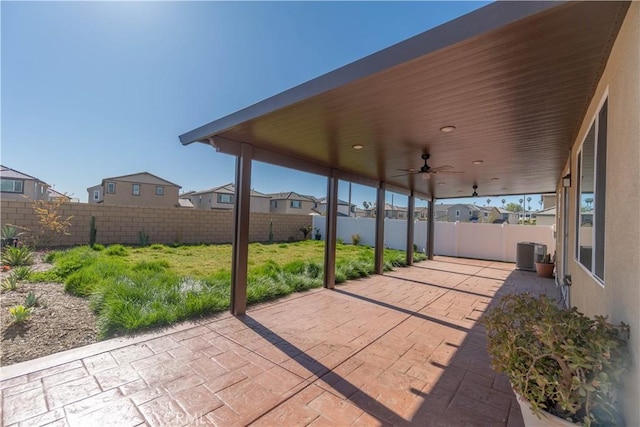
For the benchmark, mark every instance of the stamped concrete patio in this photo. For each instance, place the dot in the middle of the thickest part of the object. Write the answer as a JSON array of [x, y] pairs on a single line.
[[400, 349]]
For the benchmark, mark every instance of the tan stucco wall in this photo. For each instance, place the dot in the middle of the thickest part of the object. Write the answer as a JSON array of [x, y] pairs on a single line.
[[121, 224], [619, 298], [124, 195], [32, 190]]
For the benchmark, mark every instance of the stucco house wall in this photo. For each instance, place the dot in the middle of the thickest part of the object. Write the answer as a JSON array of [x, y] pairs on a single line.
[[619, 295]]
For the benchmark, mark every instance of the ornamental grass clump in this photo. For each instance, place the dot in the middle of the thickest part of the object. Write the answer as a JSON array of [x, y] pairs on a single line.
[[559, 360]]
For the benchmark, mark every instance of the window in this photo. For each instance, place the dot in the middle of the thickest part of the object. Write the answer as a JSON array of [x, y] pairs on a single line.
[[225, 198], [591, 165], [111, 187], [135, 189], [11, 186], [485, 214], [274, 204], [457, 213], [296, 204], [96, 194], [159, 190]]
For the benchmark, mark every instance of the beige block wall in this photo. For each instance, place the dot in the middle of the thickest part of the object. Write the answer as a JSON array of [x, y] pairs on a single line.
[[619, 297], [121, 224]]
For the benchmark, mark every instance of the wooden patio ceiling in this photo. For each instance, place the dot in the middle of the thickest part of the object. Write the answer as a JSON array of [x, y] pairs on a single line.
[[514, 78]]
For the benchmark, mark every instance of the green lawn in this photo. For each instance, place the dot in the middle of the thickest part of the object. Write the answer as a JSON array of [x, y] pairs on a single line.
[[131, 288]]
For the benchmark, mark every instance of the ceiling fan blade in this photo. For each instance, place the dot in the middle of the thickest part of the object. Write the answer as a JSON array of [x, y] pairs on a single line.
[[445, 171], [404, 174], [441, 168]]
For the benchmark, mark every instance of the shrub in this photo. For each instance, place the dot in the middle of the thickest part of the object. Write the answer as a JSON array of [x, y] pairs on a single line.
[[116, 250], [17, 256], [10, 283], [143, 239], [19, 313], [32, 300], [558, 359], [97, 247], [355, 239], [22, 272]]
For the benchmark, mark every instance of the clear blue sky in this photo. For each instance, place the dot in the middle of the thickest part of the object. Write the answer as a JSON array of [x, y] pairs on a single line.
[[96, 89]]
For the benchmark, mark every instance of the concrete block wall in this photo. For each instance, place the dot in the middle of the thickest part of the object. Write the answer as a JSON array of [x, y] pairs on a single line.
[[121, 224]]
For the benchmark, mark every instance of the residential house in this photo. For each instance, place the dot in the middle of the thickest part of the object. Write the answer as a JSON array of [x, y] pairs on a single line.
[[54, 195], [421, 213], [462, 212], [507, 216], [343, 207], [390, 211], [546, 216], [16, 185], [223, 198], [292, 203], [139, 189], [548, 201]]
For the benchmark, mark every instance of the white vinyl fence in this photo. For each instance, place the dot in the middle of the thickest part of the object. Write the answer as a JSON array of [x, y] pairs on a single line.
[[496, 242]]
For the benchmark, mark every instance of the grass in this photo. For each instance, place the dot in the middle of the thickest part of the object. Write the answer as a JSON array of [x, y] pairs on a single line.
[[135, 288]]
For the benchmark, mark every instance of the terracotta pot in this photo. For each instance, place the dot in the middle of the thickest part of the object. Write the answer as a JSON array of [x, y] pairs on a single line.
[[544, 269], [540, 419]]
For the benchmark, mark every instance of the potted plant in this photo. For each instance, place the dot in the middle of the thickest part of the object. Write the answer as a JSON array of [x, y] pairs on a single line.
[[560, 362], [316, 234], [545, 267]]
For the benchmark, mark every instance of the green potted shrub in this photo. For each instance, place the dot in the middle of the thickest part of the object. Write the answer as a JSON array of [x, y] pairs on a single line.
[[560, 362], [10, 235]]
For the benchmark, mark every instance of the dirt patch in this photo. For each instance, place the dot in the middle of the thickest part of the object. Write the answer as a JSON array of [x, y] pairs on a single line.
[[59, 322]]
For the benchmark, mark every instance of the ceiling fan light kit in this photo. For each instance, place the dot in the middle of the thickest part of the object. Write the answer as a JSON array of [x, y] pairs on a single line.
[[475, 193]]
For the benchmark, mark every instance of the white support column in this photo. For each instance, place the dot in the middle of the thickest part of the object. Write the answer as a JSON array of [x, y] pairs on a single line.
[[241, 231], [330, 232], [410, 228], [379, 249], [432, 228]]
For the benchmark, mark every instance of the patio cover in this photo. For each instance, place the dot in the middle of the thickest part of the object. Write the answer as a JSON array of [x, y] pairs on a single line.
[[514, 78]]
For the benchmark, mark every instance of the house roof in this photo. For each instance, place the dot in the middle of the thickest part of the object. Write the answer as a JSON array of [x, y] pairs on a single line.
[[185, 203], [546, 212], [7, 172], [142, 178], [514, 78], [323, 200], [229, 188], [289, 195]]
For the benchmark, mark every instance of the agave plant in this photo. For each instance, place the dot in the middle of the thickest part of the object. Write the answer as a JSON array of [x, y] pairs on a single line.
[[17, 256]]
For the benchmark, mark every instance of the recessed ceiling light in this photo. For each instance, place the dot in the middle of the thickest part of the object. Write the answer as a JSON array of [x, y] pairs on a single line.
[[503, 188], [478, 162], [495, 179], [447, 129], [357, 146], [441, 183]]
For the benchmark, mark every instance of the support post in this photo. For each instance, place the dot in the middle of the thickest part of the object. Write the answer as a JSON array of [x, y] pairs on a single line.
[[432, 227], [330, 232], [410, 228], [379, 250], [241, 231]]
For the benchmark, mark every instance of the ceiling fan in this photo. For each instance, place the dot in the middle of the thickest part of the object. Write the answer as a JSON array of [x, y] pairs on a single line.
[[426, 171]]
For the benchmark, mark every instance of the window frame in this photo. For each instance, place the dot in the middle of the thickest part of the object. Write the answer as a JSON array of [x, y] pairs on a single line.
[[159, 190], [96, 194], [133, 189], [296, 204], [14, 181], [457, 213], [599, 126], [109, 189], [226, 199]]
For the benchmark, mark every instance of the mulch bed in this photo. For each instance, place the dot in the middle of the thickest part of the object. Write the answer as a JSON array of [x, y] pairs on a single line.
[[59, 322]]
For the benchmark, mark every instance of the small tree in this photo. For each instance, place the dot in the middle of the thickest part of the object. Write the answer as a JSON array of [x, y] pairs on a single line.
[[305, 230], [52, 223]]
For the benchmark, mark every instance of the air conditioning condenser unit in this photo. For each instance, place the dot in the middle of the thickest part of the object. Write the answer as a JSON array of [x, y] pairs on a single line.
[[528, 253]]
